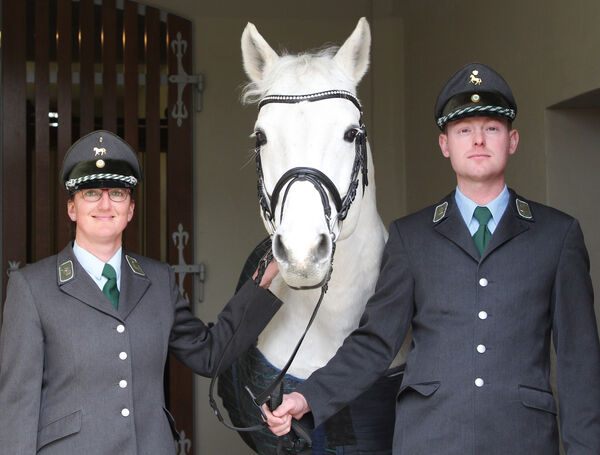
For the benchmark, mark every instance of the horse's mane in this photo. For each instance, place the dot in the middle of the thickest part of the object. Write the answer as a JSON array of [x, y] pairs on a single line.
[[318, 62]]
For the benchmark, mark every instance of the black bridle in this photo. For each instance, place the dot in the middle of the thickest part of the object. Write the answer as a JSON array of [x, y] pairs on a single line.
[[273, 394], [319, 180]]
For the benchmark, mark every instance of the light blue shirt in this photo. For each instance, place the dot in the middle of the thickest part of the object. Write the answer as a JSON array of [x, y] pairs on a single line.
[[467, 207], [94, 266]]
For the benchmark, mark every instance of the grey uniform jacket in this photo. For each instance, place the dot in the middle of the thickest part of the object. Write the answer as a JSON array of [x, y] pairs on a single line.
[[477, 377], [79, 377]]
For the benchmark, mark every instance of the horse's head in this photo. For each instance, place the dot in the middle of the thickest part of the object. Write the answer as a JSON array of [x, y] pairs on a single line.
[[311, 150]]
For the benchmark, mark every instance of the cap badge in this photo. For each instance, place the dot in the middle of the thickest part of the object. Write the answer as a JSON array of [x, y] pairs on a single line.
[[440, 211], [473, 79], [100, 164], [65, 271], [475, 98], [100, 151]]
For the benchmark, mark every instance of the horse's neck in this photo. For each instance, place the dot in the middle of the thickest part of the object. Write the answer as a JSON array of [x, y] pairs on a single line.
[[356, 264]]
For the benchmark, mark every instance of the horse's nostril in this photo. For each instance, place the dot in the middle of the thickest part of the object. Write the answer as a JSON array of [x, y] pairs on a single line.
[[279, 250], [323, 248]]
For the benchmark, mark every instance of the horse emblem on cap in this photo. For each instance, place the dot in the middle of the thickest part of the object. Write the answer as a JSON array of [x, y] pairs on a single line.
[[473, 79], [100, 151]]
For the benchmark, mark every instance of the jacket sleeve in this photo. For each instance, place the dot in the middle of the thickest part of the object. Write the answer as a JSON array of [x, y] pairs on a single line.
[[200, 347], [21, 369], [575, 338], [368, 351]]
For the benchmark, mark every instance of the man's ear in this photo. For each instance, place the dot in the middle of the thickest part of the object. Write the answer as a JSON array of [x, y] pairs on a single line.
[[443, 141], [513, 136]]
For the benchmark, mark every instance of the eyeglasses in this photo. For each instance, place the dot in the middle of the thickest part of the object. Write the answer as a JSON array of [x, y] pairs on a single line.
[[114, 194]]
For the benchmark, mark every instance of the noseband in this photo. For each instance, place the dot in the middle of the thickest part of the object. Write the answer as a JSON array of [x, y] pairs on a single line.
[[323, 184]]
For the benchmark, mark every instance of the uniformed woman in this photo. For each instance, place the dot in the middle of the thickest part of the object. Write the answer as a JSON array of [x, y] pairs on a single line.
[[86, 332]]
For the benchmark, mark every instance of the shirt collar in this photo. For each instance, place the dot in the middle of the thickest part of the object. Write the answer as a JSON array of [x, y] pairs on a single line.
[[94, 266], [466, 207]]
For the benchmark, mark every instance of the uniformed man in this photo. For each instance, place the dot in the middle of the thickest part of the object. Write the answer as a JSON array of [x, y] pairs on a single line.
[[488, 279], [86, 332]]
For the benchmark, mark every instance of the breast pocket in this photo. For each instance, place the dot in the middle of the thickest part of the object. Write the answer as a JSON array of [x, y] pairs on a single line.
[[58, 429]]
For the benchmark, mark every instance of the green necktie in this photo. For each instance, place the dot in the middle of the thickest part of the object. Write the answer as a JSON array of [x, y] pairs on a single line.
[[110, 288], [483, 234]]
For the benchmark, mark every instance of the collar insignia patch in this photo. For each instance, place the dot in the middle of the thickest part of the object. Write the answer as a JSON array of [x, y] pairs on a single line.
[[523, 209], [440, 212], [65, 271], [135, 266]]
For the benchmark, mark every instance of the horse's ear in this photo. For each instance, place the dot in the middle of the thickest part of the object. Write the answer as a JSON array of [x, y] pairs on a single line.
[[353, 56], [257, 55]]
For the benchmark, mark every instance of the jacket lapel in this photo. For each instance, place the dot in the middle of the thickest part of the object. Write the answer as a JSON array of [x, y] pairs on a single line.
[[448, 222], [515, 221], [134, 284], [73, 280], [451, 225]]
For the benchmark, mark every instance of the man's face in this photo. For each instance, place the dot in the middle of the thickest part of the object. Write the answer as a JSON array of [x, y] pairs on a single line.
[[101, 221], [478, 148]]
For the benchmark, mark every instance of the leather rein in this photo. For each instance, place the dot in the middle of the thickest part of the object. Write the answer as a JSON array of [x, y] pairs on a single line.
[[273, 394]]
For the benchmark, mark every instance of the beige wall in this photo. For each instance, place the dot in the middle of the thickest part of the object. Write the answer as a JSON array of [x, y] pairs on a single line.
[[546, 49], [573, 173]]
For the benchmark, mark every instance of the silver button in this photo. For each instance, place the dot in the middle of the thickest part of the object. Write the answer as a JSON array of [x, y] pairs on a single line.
[[125, 412], [481, 348], [479, 382], [483, 282], [122, 355], [482, 315], [120, 328], [122, 383]]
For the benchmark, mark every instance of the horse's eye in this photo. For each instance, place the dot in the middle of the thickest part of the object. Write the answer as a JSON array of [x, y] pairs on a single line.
[[350, 134], [261, 138]]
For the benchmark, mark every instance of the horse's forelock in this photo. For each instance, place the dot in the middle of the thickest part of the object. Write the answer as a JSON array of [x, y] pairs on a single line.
[[319, 62]]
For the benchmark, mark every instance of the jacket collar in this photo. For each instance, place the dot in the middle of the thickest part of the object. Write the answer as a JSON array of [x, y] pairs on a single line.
[[447, 221], [74, 281]]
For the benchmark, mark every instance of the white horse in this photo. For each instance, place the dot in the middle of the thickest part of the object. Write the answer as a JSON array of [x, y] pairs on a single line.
[[315, 134]]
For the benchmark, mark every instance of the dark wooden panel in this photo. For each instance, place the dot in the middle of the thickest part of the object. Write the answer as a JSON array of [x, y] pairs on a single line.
[[14, 165], [42, 240], [180, 204], [65, 115], [109, 65], [152, 150], [130, 57], [86, 59]]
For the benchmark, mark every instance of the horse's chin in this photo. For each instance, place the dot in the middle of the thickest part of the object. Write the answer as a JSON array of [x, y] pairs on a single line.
[[302, 276]]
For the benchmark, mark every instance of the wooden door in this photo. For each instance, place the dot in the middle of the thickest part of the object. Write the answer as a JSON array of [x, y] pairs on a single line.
[[69, 67]]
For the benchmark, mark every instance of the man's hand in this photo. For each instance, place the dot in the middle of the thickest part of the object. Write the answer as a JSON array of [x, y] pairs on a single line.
[[270, 272], [280, 420]]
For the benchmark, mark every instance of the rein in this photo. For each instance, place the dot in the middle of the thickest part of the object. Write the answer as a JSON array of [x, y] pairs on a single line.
[[273, 394]]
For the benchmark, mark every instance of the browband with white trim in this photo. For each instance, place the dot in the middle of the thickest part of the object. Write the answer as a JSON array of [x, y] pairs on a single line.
[[292, 99]]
